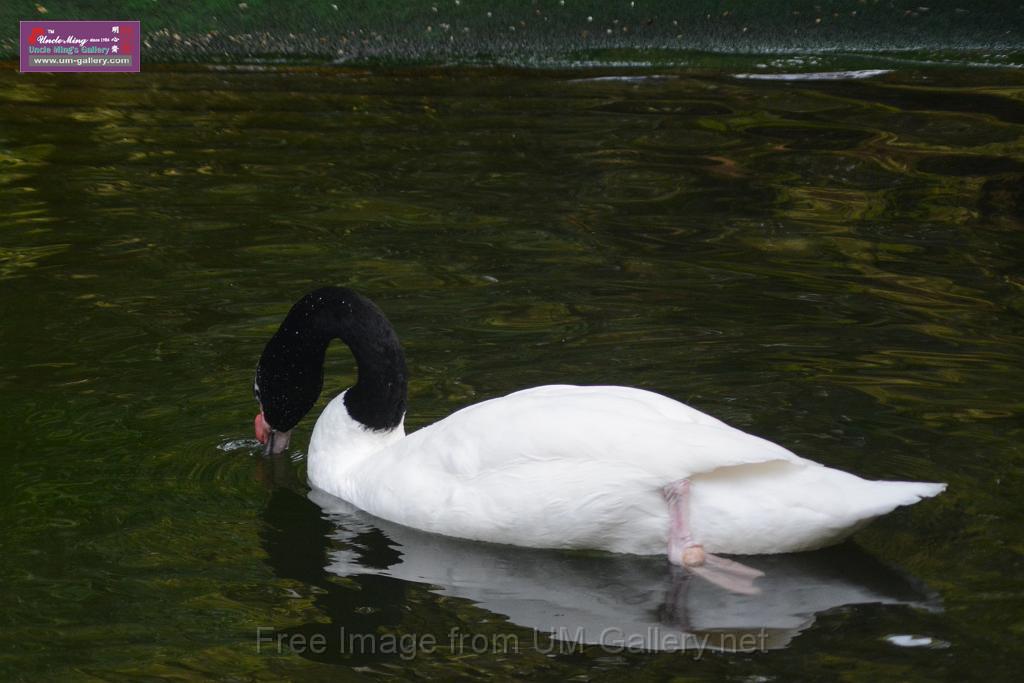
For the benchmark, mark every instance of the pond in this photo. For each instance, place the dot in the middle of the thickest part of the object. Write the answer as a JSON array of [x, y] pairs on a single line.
[[833, 264]]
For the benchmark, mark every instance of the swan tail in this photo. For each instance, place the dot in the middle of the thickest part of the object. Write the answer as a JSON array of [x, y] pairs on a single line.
[[886, 496], [778, 507]]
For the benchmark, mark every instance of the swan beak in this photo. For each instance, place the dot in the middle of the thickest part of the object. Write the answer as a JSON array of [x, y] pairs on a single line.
[[273, 441]]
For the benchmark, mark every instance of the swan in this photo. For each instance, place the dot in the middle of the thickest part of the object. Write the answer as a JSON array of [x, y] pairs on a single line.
[[607, 468]]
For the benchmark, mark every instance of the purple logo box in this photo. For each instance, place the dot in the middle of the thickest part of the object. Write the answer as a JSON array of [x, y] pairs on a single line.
[[80, 45]]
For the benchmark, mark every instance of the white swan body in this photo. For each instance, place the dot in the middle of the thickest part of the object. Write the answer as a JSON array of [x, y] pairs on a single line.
[[585, 467], [607, 468]]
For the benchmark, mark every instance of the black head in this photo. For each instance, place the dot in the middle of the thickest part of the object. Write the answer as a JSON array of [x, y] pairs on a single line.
[[289, 376]]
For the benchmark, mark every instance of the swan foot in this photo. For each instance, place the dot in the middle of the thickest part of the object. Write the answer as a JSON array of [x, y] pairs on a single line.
[[693, 556], [687, 553], [732, 576]]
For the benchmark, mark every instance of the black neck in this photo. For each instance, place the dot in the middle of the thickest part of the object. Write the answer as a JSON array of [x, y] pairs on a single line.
[[291, 368]]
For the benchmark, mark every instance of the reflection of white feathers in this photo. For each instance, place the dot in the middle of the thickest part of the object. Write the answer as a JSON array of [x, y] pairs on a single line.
[[620, 600], [584, 467]]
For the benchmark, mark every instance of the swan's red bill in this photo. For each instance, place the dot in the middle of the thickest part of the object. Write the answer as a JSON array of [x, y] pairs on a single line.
[[275, 441], [262, 428]]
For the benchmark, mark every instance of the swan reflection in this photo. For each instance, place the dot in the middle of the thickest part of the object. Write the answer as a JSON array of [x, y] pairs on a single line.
[[619, 601]]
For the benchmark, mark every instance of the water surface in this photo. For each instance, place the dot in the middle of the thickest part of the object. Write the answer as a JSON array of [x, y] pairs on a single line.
[[831, 264]]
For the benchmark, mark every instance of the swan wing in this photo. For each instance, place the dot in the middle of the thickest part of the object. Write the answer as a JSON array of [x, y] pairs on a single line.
[[584, 427], [554, 466]]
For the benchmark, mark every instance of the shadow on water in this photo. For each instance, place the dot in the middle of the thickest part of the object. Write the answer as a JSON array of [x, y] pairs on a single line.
[[297, 538], [613, 601]]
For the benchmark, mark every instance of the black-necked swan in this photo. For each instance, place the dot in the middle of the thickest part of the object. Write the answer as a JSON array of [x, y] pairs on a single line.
[[599, 467]]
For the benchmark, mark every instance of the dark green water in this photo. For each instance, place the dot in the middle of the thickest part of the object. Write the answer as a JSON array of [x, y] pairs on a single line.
[[833, 265]]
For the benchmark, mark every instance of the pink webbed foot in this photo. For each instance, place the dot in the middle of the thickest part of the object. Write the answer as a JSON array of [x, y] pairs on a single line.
[[684, 551]]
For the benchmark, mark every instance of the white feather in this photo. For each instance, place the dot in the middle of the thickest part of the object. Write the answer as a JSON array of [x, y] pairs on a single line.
[[583, 467]]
